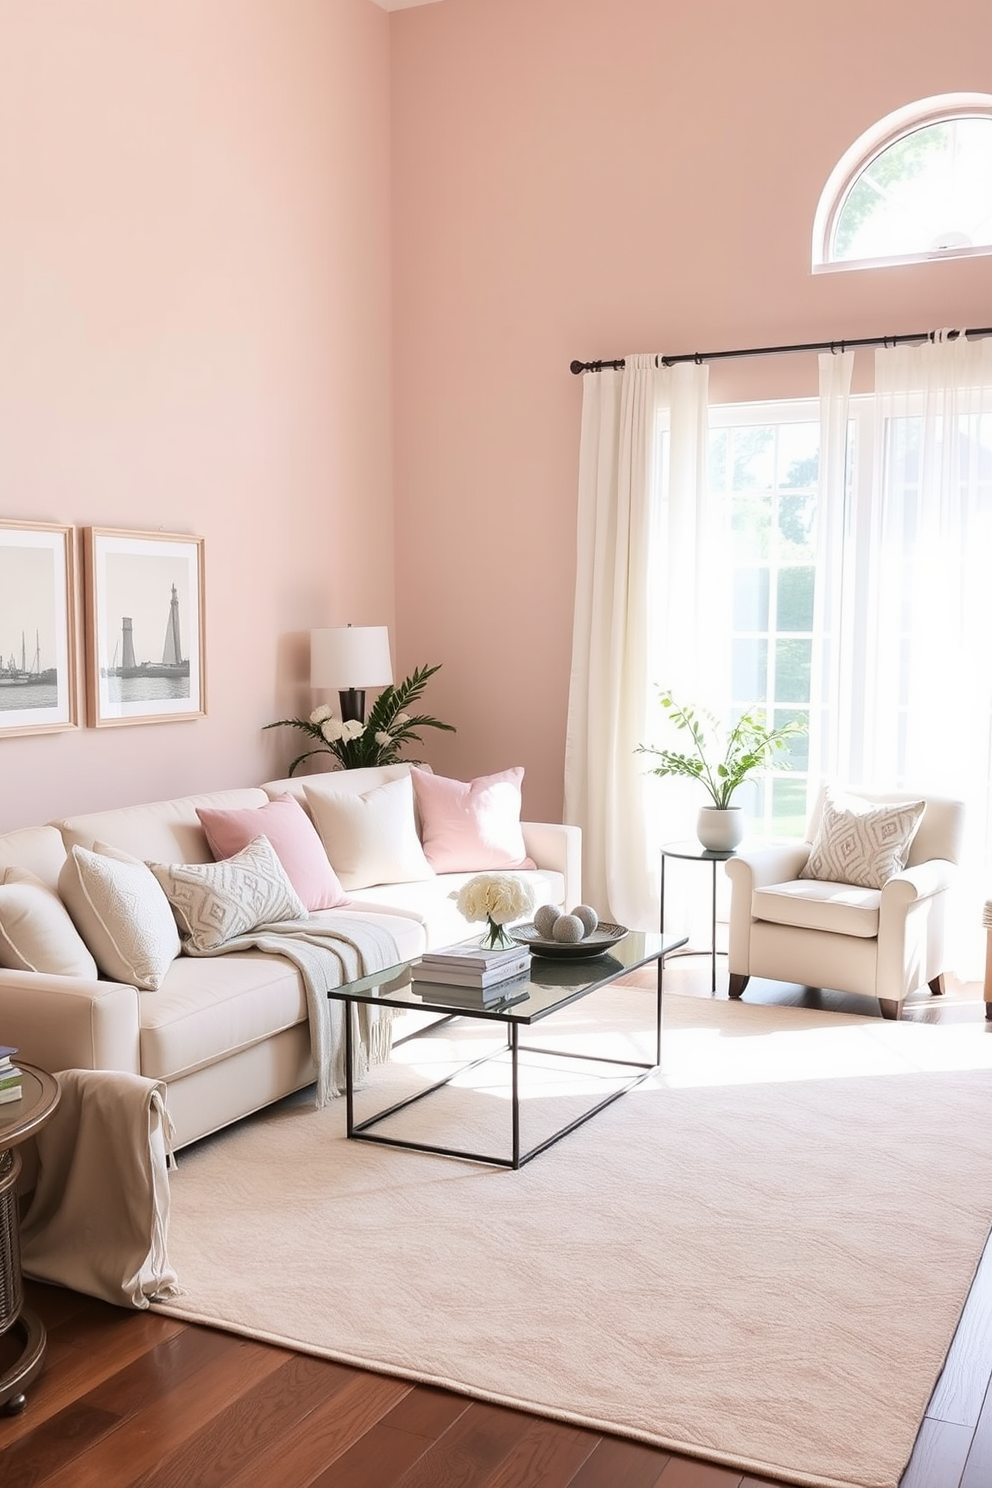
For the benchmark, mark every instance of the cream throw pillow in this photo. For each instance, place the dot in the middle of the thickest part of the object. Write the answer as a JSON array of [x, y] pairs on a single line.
[[215, 902], [121, 913], [371, 837], [36, 930], [862, 842]]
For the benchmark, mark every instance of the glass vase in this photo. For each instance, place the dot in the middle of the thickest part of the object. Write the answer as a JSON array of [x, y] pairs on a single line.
[[495, 937]]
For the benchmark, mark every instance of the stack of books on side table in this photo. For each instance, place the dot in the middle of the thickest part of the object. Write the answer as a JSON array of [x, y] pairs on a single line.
[[10, 1075], [471, 974]]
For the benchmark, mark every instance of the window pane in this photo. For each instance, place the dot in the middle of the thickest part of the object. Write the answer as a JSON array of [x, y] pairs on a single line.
[[792, 668], [754, 458], [751, 524], [798, 456], [795, 752], [929, 190], [749, 676], [795, 598], [796, 519], [751, 599], [788, 807]]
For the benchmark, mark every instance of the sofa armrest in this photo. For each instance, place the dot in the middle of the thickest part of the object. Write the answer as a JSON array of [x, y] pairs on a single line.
[[557, 847], [749, 870], [61, 1022], [921, 882]]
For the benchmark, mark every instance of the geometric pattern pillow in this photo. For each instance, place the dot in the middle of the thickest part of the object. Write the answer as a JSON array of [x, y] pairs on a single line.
[[861, 842], [36, 932], [215, 902], [122, 915]]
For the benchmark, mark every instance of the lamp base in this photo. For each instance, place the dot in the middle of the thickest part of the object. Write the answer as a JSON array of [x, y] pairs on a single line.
[[352, 704]]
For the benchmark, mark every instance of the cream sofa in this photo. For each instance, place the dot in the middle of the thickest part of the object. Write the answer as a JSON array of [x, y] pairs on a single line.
[[228, 1034]]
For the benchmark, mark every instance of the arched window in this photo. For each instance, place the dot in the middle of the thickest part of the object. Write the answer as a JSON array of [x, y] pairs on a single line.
[[916, 186]]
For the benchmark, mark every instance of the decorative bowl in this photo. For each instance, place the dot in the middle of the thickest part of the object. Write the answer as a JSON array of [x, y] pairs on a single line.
[[602, 938]]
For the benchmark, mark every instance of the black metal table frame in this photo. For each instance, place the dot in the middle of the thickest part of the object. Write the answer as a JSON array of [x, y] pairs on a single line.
[[697, 855], [362, 1130]]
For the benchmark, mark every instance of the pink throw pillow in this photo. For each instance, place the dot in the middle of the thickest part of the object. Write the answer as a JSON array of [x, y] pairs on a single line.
[[294, 841], [469, 825]]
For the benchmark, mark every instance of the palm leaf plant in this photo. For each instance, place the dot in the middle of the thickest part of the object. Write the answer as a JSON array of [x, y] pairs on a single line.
[[377, 741]]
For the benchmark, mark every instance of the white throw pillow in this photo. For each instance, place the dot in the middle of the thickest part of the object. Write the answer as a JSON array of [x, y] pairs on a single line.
[[36, 930], [215, 902], [370, 837], [121, 913], [862, 842]]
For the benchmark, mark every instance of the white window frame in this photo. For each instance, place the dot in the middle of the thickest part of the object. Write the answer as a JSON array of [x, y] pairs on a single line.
[[865, 150]]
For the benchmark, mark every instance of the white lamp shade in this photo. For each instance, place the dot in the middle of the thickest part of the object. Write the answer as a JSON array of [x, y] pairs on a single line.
[[350, 656]]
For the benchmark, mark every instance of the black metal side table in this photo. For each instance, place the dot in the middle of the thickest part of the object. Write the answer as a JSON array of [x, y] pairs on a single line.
[[19, 1120], [694, 852]]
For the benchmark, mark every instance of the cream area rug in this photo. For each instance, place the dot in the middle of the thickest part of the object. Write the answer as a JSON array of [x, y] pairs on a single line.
[[757, 1257]]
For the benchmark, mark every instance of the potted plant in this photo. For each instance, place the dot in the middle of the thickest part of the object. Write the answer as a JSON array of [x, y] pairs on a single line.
[[378, 740], [749, 746]]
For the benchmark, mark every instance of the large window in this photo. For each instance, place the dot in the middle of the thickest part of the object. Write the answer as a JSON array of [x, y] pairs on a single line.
[[916, 186], [763, 470]]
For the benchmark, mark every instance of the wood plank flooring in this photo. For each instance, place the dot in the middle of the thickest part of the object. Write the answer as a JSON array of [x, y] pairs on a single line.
[[135, 1400]]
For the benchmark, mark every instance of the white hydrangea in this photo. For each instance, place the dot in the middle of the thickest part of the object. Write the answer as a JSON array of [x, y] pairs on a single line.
[[499, 897], [319, 714], [400, 720], [332, 729], [383, 738], [352, 729]]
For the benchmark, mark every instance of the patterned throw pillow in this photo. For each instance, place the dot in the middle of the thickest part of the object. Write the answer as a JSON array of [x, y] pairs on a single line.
[[122, 915], [862, 842], [215, 902]]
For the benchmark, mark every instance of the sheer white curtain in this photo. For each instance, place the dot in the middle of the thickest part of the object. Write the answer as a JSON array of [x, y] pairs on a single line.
[[928, 688], [628, 624]]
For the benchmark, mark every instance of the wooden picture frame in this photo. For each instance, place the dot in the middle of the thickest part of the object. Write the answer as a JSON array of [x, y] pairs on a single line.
[[38, 662], [144, 627]]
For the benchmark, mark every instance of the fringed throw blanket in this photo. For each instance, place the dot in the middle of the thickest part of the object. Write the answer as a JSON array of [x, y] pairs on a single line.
[[329, 956]]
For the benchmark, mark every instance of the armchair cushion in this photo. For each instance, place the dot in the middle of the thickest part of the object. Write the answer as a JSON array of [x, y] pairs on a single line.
[[843, 909], [860, 842]]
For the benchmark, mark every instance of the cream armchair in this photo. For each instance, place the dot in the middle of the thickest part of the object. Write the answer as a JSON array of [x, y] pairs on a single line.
[[884, 943]]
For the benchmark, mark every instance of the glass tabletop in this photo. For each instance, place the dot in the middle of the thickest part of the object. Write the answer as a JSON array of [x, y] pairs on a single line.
[[551, 982]]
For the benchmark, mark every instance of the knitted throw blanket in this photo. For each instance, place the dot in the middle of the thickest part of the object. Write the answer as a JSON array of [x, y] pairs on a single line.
[[329, 956]]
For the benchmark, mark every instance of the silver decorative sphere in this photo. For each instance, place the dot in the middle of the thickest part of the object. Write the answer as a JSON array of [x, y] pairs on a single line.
[[588, 916], [569, 929], [544, 920]]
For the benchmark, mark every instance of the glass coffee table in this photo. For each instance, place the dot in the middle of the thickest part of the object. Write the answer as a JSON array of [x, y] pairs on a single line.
[[552, 984]]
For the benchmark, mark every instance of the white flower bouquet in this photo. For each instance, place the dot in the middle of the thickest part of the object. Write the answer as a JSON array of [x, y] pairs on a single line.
[[497, 898]]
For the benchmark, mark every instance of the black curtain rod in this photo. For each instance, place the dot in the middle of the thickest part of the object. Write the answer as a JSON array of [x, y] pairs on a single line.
[[715, 356]]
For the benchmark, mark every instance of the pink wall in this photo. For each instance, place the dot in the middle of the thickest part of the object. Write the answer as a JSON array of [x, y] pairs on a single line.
[[585, 178], [195, 311]]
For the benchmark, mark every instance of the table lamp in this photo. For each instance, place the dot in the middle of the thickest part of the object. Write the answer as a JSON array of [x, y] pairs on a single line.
[[350, 658]]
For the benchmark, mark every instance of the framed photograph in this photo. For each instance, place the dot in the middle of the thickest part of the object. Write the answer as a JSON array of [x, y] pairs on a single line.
[[37, 628], [144, 627]]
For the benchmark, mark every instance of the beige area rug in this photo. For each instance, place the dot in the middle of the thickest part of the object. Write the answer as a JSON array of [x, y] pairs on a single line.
[[758, 1257]]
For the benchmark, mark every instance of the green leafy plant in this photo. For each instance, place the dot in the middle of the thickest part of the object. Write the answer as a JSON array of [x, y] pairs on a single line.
[[380, 738], [749, 746]]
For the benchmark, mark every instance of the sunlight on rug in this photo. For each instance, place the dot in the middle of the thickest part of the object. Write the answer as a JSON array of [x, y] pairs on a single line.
[[757, 1257]]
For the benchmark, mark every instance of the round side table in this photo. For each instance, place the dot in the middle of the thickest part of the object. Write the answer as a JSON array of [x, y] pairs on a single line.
[[19, 1120], [695, 852]]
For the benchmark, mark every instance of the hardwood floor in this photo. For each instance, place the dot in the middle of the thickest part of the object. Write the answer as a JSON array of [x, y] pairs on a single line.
[[136, 1400]]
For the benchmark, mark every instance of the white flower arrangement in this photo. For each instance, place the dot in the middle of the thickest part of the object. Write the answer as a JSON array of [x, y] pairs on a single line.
[[497, 898]]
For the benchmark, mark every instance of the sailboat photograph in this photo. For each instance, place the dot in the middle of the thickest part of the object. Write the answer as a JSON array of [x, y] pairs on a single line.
[[145, 597], [37, 683]]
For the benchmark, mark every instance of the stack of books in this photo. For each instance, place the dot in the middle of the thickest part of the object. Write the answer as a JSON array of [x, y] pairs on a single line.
[[10, 1075], [470, 974]]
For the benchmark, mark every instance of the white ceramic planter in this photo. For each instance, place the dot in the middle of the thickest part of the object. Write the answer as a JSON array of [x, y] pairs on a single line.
[[720, 829]]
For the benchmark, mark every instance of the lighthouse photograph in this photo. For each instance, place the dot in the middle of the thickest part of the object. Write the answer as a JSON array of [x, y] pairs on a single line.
[[145, 599]]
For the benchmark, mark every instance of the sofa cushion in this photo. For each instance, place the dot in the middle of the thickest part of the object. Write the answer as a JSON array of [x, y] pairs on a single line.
[[36, 930], [215, 902], [369, 836], [293, 838], [861, 842], [211, 1007], [168, 831], [122, 915], [467, 826], [842, 909]]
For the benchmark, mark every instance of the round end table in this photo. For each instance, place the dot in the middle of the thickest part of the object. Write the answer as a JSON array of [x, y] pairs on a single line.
[[694, 852], [19, 1120]]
